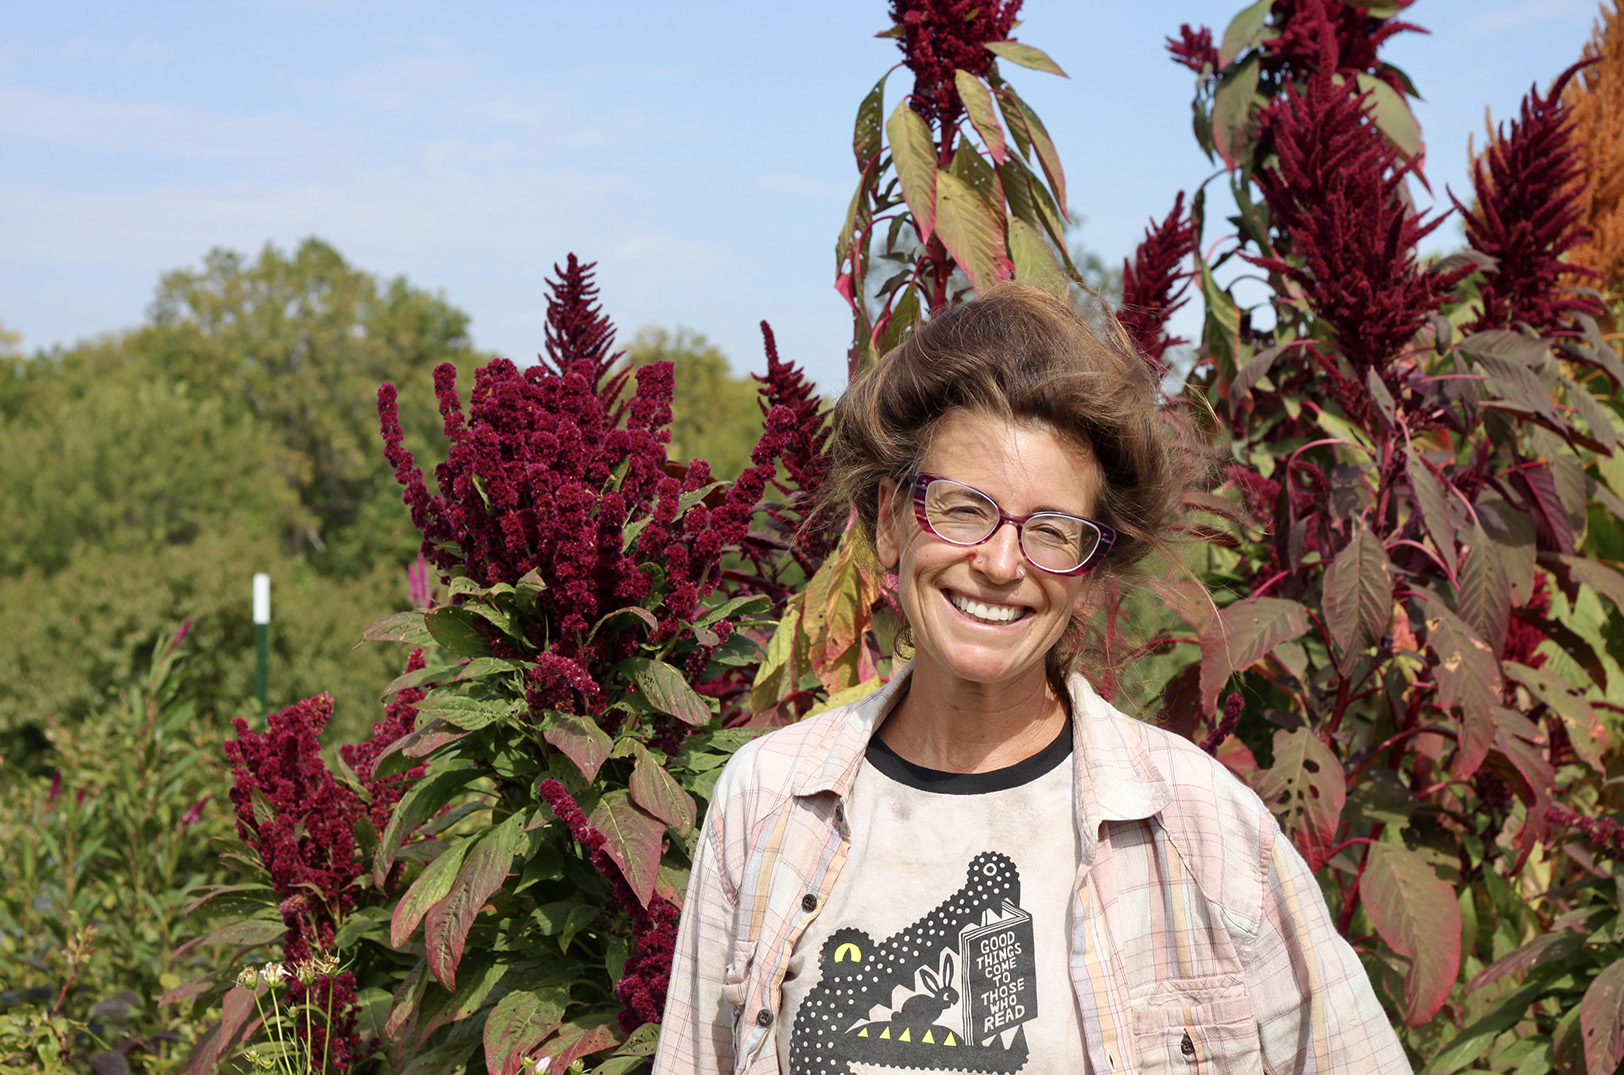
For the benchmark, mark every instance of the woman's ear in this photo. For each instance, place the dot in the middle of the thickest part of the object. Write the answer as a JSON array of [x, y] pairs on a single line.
[[887, 541]]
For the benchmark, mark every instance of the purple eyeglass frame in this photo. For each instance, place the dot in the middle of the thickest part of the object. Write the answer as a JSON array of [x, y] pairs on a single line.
[[1107, 535]]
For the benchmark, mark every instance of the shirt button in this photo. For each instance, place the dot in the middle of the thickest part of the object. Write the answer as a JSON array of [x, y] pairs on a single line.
[[1187, 1047], [764, 1018], [809, 902]]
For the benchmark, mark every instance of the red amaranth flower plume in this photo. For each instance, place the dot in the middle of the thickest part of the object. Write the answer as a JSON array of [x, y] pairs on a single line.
[[1194, 49], [400, 718], [300, 821], [1528, 215], [1605, 832], [939, 36], [803, 458], [647, 974], [1296, 51], [1337, 196], [1154, 283]]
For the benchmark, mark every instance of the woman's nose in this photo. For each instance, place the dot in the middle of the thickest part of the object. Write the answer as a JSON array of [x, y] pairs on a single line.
[[1000, 556]]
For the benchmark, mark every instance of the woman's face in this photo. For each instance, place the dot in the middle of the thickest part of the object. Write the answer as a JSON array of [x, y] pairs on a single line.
[[948, 590]]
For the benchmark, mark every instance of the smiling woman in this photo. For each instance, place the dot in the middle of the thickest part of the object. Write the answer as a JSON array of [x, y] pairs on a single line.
[[984, 866]]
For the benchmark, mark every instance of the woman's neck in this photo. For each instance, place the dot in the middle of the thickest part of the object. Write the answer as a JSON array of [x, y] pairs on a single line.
[[969, 727]]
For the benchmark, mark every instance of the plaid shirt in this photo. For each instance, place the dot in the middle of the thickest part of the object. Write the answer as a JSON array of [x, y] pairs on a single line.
[[1200, 940]]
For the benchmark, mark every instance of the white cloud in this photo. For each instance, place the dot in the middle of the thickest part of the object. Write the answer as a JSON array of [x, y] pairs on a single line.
[[105, 125]]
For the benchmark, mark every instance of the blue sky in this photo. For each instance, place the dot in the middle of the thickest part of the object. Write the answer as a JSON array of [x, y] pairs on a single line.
[[699, 152]]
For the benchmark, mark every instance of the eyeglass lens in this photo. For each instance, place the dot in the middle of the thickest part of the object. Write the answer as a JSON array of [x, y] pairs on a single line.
[[964, 516]]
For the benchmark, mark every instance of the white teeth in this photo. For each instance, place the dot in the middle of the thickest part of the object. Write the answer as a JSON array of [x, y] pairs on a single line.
[[986, 613]]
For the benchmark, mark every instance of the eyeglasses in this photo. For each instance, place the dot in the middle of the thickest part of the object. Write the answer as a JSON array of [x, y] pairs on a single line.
[[1058, 543]]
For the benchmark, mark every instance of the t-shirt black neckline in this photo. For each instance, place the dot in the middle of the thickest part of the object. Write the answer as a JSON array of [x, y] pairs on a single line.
[[905, 772]]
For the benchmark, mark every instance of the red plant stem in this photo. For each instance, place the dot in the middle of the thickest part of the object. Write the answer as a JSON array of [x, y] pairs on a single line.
[[1395, 740], [1441, 786], [1342, 685], [1345, 844], [1350, 903]]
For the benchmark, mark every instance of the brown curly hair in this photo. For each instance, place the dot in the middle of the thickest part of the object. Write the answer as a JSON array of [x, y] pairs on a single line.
[[1023, 355]]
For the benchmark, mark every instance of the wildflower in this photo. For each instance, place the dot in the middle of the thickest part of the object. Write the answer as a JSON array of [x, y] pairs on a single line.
[[248, 977], [1605, 832], [195, 813], [272, 973]]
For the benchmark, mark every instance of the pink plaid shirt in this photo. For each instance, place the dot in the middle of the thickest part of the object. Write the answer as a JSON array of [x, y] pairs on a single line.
[[1200, 941]]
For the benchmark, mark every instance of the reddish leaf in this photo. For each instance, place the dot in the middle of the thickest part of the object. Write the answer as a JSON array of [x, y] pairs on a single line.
[[581, 740], [430, 888], [238, 1019], [1047, 157], [1468, 675], [1550, 516], [1519, 758], [656, 791], [577, 1041], [1604, 580], [1306, 789], [445, 926], [1181, 703], [479, 977], [520, 1022], [1237, 757], [1485, 590], [1241, 635], [1601, 1019], [634, 839], [1358, 593], [914, 155], [1434, 508], [1416, 914], [404, 1004], [1247, 377]]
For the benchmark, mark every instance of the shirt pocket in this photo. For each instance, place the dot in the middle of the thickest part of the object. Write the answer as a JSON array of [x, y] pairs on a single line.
[[1197, 1026]]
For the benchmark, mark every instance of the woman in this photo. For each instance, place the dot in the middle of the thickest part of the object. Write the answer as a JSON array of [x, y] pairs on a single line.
[[983, 866]]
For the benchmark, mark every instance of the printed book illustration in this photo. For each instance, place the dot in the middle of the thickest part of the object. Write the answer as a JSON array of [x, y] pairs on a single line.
[[948, 993]]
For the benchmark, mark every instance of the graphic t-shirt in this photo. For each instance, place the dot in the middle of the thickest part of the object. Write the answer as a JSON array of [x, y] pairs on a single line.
[[944, 943]]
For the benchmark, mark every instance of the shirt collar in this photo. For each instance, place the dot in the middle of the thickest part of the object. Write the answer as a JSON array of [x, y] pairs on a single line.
[[1116, 779]]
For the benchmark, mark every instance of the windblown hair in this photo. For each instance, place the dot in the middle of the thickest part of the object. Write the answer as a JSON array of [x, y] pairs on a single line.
[[1022, 355]]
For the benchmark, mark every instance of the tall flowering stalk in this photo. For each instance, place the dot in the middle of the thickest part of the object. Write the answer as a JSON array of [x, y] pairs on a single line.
[[1595, 100]]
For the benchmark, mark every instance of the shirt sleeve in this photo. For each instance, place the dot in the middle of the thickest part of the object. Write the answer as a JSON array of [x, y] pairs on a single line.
[[1314, 1005], [696, 1032]]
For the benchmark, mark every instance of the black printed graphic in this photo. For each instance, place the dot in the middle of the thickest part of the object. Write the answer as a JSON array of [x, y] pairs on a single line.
[[949, 992]]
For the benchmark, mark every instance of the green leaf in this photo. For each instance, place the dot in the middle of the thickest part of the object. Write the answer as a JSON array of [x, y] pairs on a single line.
[[1245, 31], [667, 691], [1601, 427], [581, 740], [1485, 589], [469, 714], [1392, 115], [1601, 1019], [407, 627], [969, 230], [978, 106], [656, 791], [1222, 331], [1306, 789], [914, 154], [1569, 704], [1247, 377], [421, 802], [866, 134], [1434, 508], [1047, 157], [1474, 1041], [1241, 635], [1416, 914], [1468, 674], [1232, 110], [735, 608], [482, 972], [1034, 263], [1604, 580], [430, 888], [1358, 593], [521, 1021], [456, 630], [1026, 56], [445, 925], [633, 840]]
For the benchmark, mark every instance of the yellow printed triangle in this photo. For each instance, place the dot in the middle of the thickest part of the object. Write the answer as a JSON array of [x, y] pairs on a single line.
[[950, 1039], [886, 1033], [928, 1039], [863, 1033], [904, 1035]]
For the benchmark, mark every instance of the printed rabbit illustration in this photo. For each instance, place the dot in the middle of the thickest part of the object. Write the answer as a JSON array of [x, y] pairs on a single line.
[[924, 1009]]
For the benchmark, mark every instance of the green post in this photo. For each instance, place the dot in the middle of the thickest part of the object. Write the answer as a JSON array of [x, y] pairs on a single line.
[[262, 635]]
